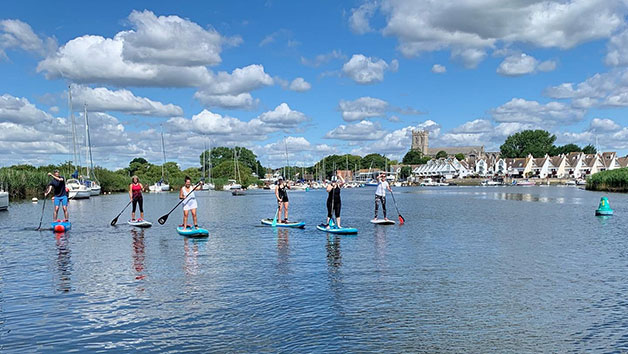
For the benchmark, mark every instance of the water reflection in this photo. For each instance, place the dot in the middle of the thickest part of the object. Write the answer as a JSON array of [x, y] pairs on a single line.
[[380, 246], [603, 219], [334, 257], [64, 263], [283, 250], [191, 251], [138, 253]]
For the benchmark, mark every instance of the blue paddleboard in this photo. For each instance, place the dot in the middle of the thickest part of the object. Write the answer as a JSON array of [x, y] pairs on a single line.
[[269, 222], [61, 226], [142, 223], [340, 230], [192, 232]]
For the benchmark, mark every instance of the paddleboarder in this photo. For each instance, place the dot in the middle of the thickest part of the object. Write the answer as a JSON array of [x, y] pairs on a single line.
[[189, 202], [333, 198], [60, 196], [380, 194], [135, 193], [281, 193]]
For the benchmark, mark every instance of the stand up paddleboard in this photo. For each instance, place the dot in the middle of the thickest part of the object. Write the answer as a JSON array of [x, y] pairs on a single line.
[[269, 222], [382, 222], [138, 223], [340, 230], [192, 232], [61, 226]]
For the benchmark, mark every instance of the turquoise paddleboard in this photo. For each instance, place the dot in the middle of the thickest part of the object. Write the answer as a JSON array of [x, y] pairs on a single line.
[[142, 223], [192, 232], [269, 222], [61, 226], [341, 230]]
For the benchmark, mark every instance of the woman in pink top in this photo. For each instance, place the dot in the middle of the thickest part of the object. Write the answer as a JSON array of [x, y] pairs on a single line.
[[135, 193]]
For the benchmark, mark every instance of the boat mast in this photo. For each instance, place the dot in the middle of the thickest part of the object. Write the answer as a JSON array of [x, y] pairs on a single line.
[[88, 141], [75, 155], [209, 172], [163, 150]]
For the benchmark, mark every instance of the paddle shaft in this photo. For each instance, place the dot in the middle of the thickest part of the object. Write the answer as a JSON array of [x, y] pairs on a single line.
[[42, 212], [162, 220], [401, 218], [114, 221]]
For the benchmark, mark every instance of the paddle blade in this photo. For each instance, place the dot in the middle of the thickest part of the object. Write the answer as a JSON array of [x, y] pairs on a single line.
[[401, 220], [275, 218], [114, 221], [162, 220]]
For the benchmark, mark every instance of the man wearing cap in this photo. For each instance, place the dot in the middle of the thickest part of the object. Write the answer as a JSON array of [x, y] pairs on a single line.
[[380, 194], [60, 194]]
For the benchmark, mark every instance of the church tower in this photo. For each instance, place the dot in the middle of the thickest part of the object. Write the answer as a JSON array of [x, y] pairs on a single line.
[[419, 141]]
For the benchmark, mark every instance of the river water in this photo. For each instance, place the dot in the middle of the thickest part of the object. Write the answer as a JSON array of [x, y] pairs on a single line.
[[474, 269]]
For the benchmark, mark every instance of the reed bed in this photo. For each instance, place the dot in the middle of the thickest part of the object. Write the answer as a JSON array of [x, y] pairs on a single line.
[[611, 181]]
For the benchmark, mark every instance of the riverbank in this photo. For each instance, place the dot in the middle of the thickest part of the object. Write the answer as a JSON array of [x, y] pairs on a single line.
[[609, 181]]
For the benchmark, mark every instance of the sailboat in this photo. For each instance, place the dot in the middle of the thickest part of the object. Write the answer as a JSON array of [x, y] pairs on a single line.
[[76, 189], [91, 180], [162, 185], [208, 185], [236, 188]]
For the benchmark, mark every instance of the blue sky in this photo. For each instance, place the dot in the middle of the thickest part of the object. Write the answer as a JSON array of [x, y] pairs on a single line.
[[326, 76]]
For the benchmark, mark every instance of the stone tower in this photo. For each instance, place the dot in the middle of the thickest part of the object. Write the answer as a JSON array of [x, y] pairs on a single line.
[[419, 141]]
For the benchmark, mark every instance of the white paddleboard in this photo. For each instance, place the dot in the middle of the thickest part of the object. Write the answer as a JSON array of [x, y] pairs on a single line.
[[382, 222]]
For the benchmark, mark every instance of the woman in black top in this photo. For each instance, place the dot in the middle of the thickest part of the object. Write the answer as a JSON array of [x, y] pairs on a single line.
[[281, 193], [333, 198]]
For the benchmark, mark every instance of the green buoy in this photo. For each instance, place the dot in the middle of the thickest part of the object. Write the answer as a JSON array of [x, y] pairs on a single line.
[[604, 209]]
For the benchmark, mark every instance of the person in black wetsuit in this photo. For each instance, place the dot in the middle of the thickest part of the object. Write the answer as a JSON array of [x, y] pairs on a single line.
[[333, 198], [281, 193]]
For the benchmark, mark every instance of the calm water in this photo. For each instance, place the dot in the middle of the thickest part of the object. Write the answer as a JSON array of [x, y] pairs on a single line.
[[477, 269]]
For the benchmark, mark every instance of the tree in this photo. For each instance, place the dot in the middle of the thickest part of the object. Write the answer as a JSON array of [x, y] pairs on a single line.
[[378, 161], [221, 154], [405, 172], [412, 157], [535, 142], [441, 154], [459, 156], [565, 149], [589, 149]]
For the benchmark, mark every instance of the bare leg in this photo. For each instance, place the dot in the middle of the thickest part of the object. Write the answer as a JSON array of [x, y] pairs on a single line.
[[185, 219], [65, 212], [194, 217], [54, 215], [286, 210], [338, 222]]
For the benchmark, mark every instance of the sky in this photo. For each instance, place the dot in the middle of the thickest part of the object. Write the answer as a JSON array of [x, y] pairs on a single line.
[[312, 78]]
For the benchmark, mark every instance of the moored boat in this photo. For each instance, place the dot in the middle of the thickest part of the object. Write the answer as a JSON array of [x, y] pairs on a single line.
[[77, 190], [4, 200]]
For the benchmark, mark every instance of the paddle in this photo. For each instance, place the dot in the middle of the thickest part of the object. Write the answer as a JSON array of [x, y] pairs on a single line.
[[42, 212], [114, 221], [275, 218], [162, 220], [401, 219]]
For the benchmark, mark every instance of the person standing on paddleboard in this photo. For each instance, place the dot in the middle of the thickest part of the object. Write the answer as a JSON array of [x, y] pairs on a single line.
[[60, 194], [189, 202], [281, 193], [135, 193], [333, 198], [380, 194]]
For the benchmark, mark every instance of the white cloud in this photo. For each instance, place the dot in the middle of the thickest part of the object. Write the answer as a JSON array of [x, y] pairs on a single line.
[[171, 40], [239, 101], [323, 58], [474, 126], [522, 111], [521, 64], [18, 34], [95, 59], [600, 90], [422, 26], [366, 70], [232, 90], [359, 19], [21, 111], [282, 33], [617, 47], [364, 130], [517, 65], [439, 69], [603, 125], [282, 117], [363, 107], [298, 85], [470, 57], [102, 99]]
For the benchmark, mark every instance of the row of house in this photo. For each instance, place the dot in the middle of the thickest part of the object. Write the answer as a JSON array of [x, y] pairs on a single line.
[[573, 165]]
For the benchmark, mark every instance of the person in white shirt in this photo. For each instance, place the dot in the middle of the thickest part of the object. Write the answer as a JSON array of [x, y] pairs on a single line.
[[380, 194]]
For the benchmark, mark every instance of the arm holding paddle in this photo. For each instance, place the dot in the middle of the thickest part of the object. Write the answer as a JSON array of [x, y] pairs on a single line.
[[162, 220]]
